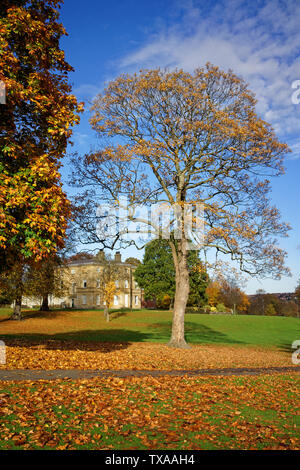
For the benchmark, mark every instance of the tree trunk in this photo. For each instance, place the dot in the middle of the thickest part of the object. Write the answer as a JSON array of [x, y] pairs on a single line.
[[181, 296], [17, 314], [45, 304], [106, 313]]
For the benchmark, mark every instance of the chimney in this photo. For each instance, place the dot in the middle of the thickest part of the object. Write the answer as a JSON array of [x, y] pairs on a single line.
[[118, 257], [100, 255]]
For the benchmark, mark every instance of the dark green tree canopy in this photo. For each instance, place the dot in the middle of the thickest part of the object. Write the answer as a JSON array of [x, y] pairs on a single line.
[[156, 275]]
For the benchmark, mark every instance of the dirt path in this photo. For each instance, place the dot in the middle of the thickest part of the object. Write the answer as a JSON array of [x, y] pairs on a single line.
[[27, 374]]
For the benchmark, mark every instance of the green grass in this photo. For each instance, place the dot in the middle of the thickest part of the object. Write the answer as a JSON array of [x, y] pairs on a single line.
[[152, 326], [5, 311], [159, 413]]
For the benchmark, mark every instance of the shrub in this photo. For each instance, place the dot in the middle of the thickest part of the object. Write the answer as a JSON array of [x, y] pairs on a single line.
[[221, 308]]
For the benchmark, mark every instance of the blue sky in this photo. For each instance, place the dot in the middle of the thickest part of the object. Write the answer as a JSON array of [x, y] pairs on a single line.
[[259, 40]]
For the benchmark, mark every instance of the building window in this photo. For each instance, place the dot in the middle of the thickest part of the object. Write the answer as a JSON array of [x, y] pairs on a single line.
[[98, 300], [136, 285], [126, 284], [98, 282], [136, 300], [84, 283], [72, 271], [84, 300], [98, 270], [117, 283], [116, 300]]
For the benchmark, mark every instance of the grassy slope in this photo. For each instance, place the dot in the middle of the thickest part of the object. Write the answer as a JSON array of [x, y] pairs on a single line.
[[153, 326]]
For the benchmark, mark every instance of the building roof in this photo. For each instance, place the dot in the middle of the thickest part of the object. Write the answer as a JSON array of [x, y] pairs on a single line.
[[96, 262]]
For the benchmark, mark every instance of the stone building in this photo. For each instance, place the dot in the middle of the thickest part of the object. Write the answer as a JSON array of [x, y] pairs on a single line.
[[82, 281]]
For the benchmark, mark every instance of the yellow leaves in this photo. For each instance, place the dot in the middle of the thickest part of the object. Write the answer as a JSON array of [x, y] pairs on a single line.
[[245, 302], [57, 355], [109, 292], [213, 292], [45, 210]]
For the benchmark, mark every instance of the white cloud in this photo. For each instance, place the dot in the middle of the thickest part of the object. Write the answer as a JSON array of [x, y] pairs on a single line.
[[80, 138], [87, 91], [259, 41], [295, 147]]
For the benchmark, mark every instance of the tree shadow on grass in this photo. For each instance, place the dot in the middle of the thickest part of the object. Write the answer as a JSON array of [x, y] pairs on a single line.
[[26, 315], [84, 340], [44, 314], [111, 339], [287, 348], [194, 333], [114, 314]]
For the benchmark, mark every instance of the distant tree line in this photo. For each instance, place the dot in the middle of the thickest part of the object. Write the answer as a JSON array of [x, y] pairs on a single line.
[[263, 303], [35, 280], [226, 295], [156, 276]]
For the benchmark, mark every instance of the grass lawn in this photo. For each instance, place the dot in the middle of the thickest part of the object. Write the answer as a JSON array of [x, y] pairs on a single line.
[[151, 326], [81, 339], [152, 413]]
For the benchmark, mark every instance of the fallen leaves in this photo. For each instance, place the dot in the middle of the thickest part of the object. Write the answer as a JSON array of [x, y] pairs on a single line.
[[152, 413], [143, 412], [73, 355]]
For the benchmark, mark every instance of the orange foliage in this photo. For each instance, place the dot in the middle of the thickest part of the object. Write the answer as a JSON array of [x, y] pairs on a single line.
[[36, 126], [245, 302], [213, 292]]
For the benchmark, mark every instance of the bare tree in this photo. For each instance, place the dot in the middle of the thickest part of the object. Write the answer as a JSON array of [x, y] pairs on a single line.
[[13, 284], [297, 296], [112, 275], [178, 138], [47, 277]]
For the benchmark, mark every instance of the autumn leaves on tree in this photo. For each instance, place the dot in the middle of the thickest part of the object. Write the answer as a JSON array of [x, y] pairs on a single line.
[[36, 126], [111, 275], [181, 138], [169, 137]]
